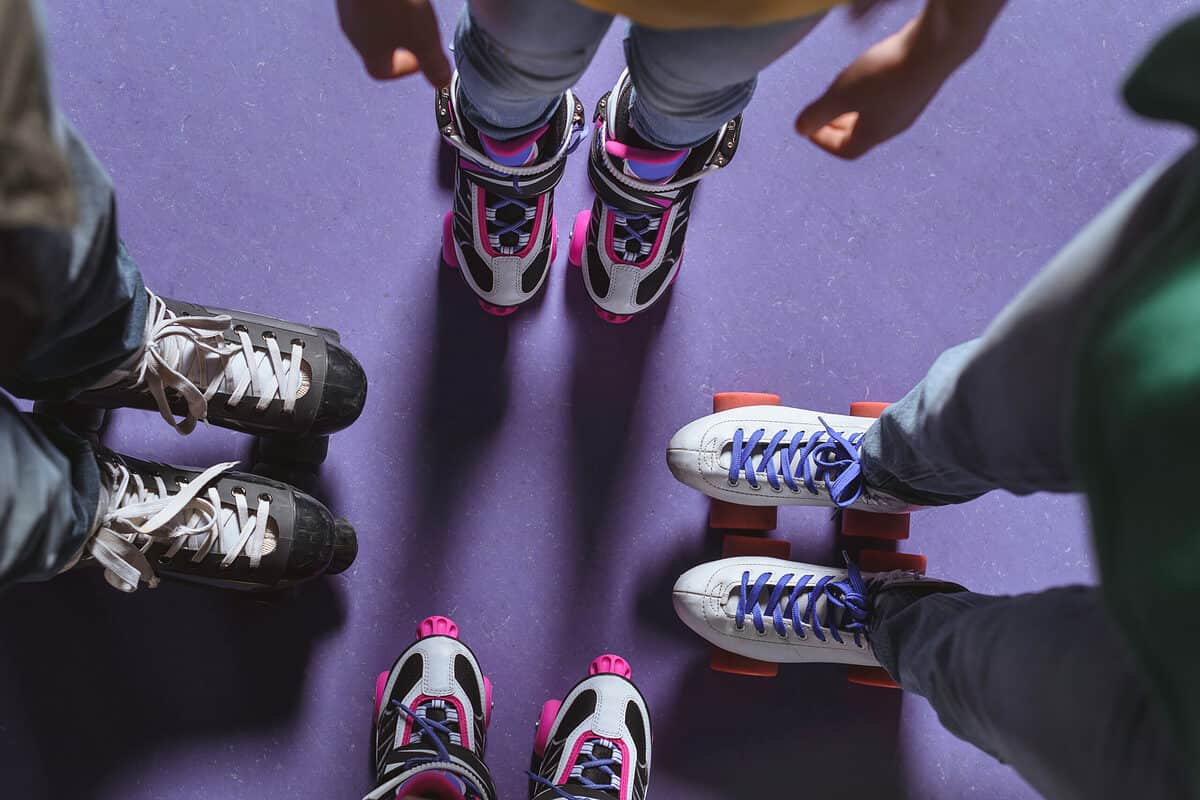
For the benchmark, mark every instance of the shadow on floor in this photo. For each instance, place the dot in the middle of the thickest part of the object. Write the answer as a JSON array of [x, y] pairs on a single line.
[[93, 682]]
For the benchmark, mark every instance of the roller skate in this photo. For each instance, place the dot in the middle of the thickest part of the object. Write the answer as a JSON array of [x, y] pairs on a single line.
[[630, 244], [214, 526], [432, 711], [772, 610], [596, 743], [772, 455], [502, 233]]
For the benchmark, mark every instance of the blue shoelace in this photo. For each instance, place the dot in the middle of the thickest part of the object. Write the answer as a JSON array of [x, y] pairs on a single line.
[[851, 598], [606, 765], [653, 221], [835, 460], [429, 730]]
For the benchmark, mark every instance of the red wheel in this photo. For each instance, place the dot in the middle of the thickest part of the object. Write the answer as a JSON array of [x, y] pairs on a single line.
[[867, 409], [884, 561], [736, 545], [871, 676], [733, 664], [742, 518], [892, 527], [723, 401]]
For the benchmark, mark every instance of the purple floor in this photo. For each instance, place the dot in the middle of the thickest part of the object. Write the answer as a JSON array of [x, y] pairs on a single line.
[[510, 473]]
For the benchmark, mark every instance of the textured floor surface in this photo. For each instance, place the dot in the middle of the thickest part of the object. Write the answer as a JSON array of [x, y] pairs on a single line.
[[510, 473]]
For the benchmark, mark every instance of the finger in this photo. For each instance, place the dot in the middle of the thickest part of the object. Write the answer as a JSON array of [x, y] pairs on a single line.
[[845, 138], [426, 44], [380, 65]]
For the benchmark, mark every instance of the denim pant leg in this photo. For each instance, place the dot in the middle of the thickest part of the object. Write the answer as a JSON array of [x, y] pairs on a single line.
[[995, 412], [48, 496], [1044, 682], [688, 83], [516, 58], [92, 300]]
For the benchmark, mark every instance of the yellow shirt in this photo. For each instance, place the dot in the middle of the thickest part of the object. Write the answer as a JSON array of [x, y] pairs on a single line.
[[710, 13]]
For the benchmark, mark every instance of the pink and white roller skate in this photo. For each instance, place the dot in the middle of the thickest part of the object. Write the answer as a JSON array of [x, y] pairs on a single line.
[[630, 244], [432, 711], [501, 232], [595, 744]]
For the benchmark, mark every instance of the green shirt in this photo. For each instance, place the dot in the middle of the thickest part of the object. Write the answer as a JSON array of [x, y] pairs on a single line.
[[1138, 418]]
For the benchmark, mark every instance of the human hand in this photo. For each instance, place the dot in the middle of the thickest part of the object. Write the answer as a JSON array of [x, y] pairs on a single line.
[[396, 38], [883, 92]]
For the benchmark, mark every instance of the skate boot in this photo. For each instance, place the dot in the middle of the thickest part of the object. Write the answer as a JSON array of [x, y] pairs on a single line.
[[502, 233], [595, 744], [214, 526], [432, 711], [242, 371], [786, 612], [778, 456], [630, 244]]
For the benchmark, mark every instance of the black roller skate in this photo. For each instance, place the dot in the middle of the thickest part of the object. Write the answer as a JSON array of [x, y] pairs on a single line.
[[214, 526], [502, 233], [595, 744], [630, 244], [432, 711]]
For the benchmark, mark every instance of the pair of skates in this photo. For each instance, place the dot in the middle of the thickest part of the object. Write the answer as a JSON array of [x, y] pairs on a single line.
[[289, 384], [433, 709], [756, 607], [502, 232]]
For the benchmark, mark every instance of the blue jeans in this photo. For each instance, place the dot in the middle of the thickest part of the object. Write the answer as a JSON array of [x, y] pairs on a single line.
[[83, 309], [1046, 681], [516, 58]]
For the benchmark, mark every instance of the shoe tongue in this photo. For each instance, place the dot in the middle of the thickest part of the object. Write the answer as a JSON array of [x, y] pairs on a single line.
[[432, 785], [519, 152]]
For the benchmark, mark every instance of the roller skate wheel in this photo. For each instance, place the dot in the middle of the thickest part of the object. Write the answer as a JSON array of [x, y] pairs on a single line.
[[497, 311], [611, 318], [579, 238], [553, 239], [734, 664], [609, 664], [437, 626], [885, 561], [742, 518], [487, 700], [380, 685], [723, 401], [449, 257], [892, 527], [545, 723], [868, 409], [871, 676], [755, 546]]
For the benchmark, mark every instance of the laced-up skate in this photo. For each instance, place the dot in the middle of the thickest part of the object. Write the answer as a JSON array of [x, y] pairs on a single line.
[[502, 232], [213, 526], [630, 244], [432, 711], [595, 744], [243, 371], [776, 455]]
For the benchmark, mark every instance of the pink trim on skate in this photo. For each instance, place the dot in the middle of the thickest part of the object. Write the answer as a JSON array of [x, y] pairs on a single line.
[[511, 147], [449, 254], [590, 735], [539, 220], [610, 664], [466, 726], [487, 699], [380, 685], [550, 710], [430, 784], [437, 626]]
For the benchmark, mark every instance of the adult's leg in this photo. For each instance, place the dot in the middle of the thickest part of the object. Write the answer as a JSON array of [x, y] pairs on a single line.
[[688, 83], [1043, 682], [48, 497], [516, 58], [995, 412]]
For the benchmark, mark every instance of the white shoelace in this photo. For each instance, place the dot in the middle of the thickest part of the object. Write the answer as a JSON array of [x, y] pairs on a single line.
[[135, 516], [186, 353]]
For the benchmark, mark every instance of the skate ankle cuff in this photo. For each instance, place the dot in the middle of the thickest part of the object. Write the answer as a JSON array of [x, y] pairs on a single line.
[[473, 773]]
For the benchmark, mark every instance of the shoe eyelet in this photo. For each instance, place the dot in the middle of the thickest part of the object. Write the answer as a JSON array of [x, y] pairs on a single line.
[[268, 334], [239, 490], [739, 628], [163, 560], [241, 328], [731, 483], [266, 498], [298, 341]]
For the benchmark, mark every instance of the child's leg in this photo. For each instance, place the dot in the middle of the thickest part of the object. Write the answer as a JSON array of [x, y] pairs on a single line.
[[1044, 682], [515, 59], [995, 412], [689, 83]]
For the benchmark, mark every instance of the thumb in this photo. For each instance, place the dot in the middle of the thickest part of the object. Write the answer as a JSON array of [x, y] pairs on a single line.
[[825, 109]]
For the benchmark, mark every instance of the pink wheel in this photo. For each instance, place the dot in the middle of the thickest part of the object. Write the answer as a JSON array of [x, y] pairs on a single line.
[[614, 319], [448, 255], [545, 723], [487, 701], [437, 626], [380, 684], [553, 239], [497, 311], [579, 237], [609, 664]]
